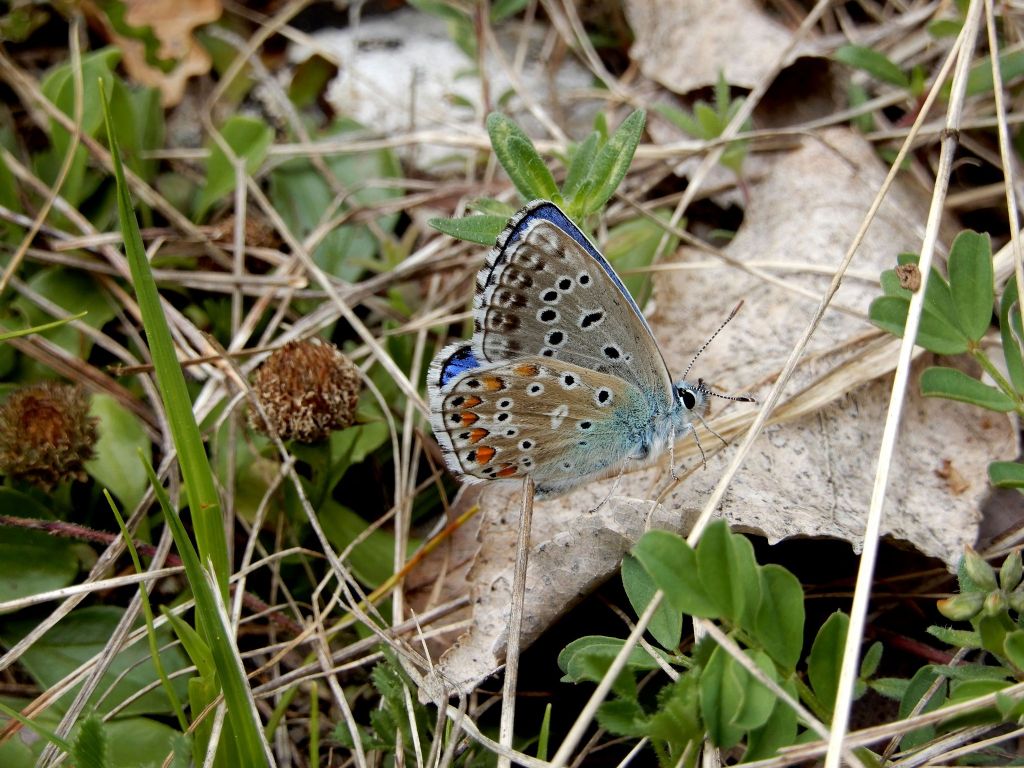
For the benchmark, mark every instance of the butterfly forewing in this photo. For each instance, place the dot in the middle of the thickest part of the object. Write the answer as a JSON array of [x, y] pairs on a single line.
[[534, 415], [546, 291]]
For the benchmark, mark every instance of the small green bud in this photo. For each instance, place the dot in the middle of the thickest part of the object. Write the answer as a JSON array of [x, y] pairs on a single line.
[[1011, 571], [995, 603], [961, 607], [981, 574]]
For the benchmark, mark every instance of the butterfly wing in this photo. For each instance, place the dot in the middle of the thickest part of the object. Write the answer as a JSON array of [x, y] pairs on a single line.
[[561, 423], [546, 290]]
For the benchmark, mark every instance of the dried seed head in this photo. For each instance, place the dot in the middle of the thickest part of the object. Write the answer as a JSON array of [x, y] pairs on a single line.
[[46, 434], [307, 389]]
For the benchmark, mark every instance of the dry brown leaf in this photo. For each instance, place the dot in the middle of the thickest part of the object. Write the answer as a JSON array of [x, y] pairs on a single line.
[[685, 44], [172, 22], [809, 476]]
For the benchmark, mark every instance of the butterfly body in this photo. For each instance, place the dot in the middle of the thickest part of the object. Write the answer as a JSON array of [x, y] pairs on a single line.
[[563, 379]]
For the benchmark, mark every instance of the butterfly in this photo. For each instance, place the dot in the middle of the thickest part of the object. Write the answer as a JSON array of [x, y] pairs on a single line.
[[563, 379]]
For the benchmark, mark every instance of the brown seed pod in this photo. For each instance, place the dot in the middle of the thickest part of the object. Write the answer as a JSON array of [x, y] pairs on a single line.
[[307, 389], [46, 434]]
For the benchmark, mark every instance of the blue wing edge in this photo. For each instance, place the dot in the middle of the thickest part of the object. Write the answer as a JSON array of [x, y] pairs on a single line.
[[450, 362]]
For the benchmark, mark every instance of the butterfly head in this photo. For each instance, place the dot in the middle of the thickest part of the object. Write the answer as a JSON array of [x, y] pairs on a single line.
[[691, 400]]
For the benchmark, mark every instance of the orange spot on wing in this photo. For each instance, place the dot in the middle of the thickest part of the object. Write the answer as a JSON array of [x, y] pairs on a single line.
[[468, 418], [472, 401], [484, 454], [478, 434], [527, 369], [507, 471], [492, 383]]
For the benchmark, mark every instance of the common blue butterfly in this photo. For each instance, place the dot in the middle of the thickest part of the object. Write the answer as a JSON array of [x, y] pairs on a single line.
[[563, 379]]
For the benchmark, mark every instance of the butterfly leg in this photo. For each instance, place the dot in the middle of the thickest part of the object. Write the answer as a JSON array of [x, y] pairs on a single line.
[[672, 453]]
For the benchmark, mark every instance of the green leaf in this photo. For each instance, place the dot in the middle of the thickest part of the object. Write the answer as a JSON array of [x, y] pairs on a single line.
[[918, 686], [682, 120], [778, 731], [1013, 647], [59, 87], [31, 561], [872, 658], [131, 741], [891, 687], [588, 658], [934, 333], [707, 120], [779, 622], [970, 282], [732, 701], [349, 447], [483, 230], [310, 79], [502, 9], [372, 560], [676, 721], [307, 202], [1006, 474], [979, 81], [633, 245], [666, 624], [78, 637], [758, 701], [138, 741], [249, 139], [90, 747], [993, 630], [579, 167], [116, 462], [954, 384], [623, 717], [963, 690], [857, 96], [613, 161], [1012, 334], [826, 659], [728, 571], [672, 564], [720, 698], [520, 160], [876, 64], [944, 28]]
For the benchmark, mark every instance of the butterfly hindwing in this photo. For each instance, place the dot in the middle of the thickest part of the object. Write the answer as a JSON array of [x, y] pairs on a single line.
[[548, 418], [545, 290]]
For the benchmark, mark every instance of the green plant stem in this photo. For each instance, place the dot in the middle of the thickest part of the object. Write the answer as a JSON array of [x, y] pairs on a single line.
[[147, 612], [997, 377], [807, 697], [282, 706]]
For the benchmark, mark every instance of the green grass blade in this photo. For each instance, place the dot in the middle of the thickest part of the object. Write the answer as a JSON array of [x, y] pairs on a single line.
[[216, 631], [147, 612], [40, 328], [195, 466]]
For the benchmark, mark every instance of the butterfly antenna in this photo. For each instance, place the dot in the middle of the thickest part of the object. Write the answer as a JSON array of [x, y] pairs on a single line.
[[702, 387], [712, 338]]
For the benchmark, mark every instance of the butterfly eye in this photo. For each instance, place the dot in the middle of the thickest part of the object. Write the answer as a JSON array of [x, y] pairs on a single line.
[[688, 399]]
